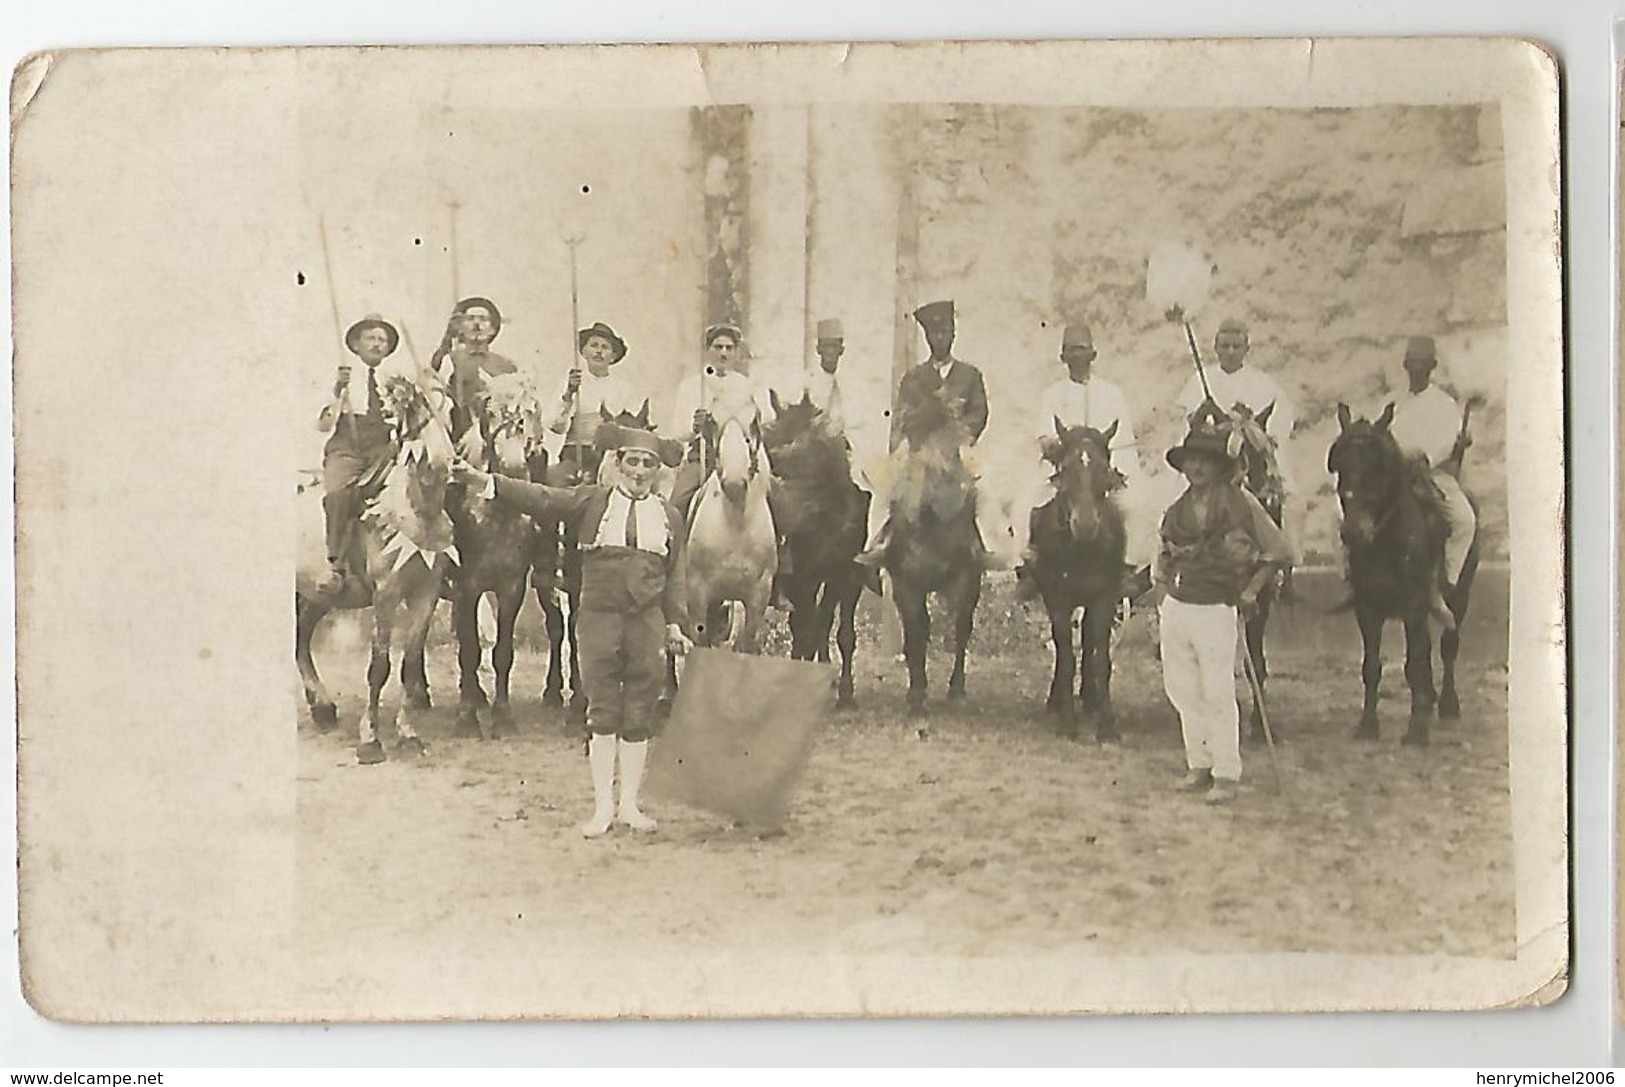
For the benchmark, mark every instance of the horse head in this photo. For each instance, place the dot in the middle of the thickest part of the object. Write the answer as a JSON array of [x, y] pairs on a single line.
[[738, 441], [1083, 475], [925, 418], [797, 440], [1370, 472], [510, 424], [1259, 466], [415, 485]]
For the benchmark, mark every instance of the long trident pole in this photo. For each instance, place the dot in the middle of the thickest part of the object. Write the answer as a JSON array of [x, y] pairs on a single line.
[[338, 329]]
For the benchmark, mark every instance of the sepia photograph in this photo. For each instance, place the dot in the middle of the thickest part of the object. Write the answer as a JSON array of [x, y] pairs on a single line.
[[833, 530]]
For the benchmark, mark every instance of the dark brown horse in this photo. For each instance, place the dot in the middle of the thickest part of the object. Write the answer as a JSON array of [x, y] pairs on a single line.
[[1394, 532], [1261, 476], [821, 516], [494, 542], [935, 546], [1078, 540]]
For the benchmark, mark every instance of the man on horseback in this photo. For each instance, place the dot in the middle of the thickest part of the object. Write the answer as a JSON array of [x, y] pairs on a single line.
[[1084, 399], [464, 359], [960, 386], [361, 445], [1218, 551], [633, 605], [1235, 384], [586, 396], [724, 389], [1428, 425]]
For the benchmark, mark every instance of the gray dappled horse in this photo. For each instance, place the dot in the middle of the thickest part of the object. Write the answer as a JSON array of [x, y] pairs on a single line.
[[406, 539]]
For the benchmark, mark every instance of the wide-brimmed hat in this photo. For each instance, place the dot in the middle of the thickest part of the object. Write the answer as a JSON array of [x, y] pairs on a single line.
[[934, 312], [598, 328], [1211, 433], [486, 304], [723, 329], [627, 437], [372, 320]]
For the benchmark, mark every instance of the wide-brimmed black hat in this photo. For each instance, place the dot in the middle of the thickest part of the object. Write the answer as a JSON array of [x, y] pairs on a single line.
[[372, 320], [486, 304], [598, 328], [1211, 433]]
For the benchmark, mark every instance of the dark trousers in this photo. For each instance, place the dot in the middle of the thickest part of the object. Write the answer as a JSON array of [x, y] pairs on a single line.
[[354, 454], [623, 668]]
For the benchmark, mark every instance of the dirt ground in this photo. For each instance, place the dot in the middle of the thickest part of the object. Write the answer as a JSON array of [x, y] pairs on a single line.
[[993, 837]]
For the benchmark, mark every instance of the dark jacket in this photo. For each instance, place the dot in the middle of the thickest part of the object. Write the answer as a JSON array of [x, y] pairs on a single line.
[[616, 579], [964, 392], [1210, 561]]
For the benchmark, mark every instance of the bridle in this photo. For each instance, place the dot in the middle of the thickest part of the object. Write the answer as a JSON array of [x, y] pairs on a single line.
[[1395, 490]]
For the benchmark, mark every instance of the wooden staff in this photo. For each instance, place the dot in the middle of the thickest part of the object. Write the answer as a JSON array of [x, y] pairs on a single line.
[[1258, 700], [343, 400]]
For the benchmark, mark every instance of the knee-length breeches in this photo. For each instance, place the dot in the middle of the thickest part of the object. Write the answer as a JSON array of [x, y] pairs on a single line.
[[623, 667]]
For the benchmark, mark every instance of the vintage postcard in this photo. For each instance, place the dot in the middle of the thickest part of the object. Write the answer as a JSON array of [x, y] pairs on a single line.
[[790, 530]]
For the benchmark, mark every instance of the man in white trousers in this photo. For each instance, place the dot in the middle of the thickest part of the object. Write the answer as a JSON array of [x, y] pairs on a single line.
[[1218, 550]]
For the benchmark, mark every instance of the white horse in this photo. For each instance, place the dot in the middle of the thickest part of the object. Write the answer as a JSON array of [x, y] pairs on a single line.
[[732, 552]]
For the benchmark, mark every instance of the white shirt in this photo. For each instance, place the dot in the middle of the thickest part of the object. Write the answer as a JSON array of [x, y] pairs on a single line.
[[725, 396], [1095, 403], [354, 400], [653, 528], [1254, 390], [824, 390], [611, 393], [1427, 423]]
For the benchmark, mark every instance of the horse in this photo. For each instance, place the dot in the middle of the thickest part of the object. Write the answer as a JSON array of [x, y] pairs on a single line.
[[821, 515], [934, 544], [732, 546], [1393, 532], [407, 542], [1078, 541], [494, 545], [1260, 474]]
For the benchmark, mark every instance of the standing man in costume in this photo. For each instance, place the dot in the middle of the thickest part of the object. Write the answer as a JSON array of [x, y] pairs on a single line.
[[725, 389], [1085, 399], [1235, 383], [1218, 550], [632, 605], [1428, 425], [584, 396], [958, 383], [361, 444], [465, 359]]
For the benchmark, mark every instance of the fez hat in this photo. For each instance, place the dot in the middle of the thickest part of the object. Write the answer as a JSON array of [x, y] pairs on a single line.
[[830, 329], [933, 312], [1420, 347], [483, 303], [631, 437], [1077, 334], [723, 329], [1210, 432], [598, 328], [372, 320]]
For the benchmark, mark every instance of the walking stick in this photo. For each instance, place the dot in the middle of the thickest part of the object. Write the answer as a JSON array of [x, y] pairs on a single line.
[[1258, 700]]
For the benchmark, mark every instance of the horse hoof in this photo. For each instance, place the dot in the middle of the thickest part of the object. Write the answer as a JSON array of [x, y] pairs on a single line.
[[922, 733], [1366, 732], [325, 716], [502, 727], [410, 745], [956, 694], [916, 708], [1449, 709], [576, 713], [370, 754], [1415, 738], [418, 700], [468, 728], [552, 700], [1108, 737]]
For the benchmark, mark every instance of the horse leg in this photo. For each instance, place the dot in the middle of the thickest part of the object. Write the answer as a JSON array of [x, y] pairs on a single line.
[[1419, 675], [419, 615], [465, 619], [553, 621], [1449, 700], [1060, 686], [964, 602], [801, 596], [846, 638], [915, 616], [1097, 667], [369, 750], [323, 712], [1370, 622], [1254, 644], [829, 602], [749, 640], [508, 608]]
